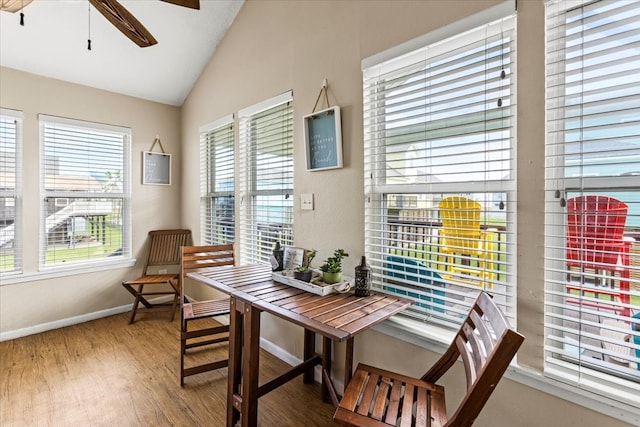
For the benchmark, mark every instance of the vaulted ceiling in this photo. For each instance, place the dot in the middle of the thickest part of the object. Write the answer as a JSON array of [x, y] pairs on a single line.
[[53, 43]]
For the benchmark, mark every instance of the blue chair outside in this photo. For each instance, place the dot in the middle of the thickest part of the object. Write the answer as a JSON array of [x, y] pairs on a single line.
[[408, 269]]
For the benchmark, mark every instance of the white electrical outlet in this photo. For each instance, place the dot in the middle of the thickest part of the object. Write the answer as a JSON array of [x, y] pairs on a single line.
[[306, 201]]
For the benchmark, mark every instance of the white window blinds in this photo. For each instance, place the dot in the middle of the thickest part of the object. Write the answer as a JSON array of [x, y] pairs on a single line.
[[217, 182], [266, 177], [85, 191], [10, 197], [592, 232], [439, 130]]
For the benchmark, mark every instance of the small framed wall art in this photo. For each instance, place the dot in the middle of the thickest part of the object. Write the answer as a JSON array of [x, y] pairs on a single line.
[[156, 168], [323, 139]]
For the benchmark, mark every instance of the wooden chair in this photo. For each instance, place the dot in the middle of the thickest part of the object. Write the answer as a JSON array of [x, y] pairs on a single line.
[[195, 257], [160, 274], [598, 249], [486, 343], [463, 243]]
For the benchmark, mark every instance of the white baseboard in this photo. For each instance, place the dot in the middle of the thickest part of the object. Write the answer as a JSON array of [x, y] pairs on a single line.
[[56, 324], [61, 323]]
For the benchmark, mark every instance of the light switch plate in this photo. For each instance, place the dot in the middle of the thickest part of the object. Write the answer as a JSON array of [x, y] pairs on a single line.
[[306, 201]]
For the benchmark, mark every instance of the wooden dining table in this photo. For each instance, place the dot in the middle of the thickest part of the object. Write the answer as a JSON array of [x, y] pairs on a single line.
[[336, 317]]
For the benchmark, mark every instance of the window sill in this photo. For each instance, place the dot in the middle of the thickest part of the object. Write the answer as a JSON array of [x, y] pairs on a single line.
[[55, 272], [437, 339]]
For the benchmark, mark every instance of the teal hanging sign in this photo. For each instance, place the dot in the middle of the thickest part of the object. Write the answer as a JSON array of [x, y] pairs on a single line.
[[323, 139]]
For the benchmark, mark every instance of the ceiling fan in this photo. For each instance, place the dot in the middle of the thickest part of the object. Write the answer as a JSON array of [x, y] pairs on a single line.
[[117, 14]]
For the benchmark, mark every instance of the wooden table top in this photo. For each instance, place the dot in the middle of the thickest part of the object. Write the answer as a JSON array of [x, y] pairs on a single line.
[[337, 316]]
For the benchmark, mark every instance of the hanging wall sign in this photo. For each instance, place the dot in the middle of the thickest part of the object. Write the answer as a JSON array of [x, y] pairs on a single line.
[[156, 167], [323, 139]]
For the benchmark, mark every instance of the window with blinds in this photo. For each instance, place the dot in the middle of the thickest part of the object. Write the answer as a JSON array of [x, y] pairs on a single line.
[[266, 177], [439, 135], [217, 182], [592, 209], [10, 197], [85, 192]]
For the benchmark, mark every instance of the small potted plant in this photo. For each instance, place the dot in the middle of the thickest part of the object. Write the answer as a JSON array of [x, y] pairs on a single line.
[[332, 267], [303, 272]]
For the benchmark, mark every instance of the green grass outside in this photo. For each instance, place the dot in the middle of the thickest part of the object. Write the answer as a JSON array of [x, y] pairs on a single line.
[[113, 242]]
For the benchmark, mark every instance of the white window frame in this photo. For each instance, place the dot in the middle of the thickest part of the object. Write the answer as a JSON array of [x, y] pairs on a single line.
[[217, 146], [378, 188], [123, 195], [256, 244]]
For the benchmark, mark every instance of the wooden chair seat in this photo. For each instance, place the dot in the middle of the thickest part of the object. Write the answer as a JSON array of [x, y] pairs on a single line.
[[202, 309], [164, 252], [196, 335], [378, 397]]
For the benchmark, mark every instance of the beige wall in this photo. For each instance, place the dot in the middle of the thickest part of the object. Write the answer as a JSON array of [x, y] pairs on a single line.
[[275, 46], [38, 301]]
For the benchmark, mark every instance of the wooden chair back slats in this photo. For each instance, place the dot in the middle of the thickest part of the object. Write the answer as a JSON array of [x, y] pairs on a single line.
[[207, 256], [485, 343], [499, 351], [164, 247], [163, 251], [192, 258]]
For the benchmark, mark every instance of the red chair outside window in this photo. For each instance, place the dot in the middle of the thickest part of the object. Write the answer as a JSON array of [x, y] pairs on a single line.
[[596, 246]]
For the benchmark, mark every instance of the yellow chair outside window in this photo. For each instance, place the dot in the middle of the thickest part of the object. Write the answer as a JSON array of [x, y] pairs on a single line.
[[467, 253]]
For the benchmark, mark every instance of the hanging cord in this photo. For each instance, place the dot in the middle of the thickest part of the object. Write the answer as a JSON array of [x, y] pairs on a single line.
[[22, 13], [89, 19], [326, 96], [157, 141]]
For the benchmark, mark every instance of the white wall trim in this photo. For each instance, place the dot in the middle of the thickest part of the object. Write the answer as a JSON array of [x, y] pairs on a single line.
[[61, 323], [53, 273]]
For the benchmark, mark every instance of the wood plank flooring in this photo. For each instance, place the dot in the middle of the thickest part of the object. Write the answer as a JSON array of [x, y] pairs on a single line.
[[109, 373]]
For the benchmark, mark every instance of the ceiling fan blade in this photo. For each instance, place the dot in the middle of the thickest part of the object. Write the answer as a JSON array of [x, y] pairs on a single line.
[[124, 21], [193, 4], [13, 5]]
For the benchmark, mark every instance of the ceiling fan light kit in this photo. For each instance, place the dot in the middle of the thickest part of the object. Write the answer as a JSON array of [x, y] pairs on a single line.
[[115, 13]]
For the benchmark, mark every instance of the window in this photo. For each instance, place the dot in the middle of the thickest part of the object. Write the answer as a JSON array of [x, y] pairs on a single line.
[[217, 182], [85, 192], [439, 135], [10, 200], [592, 194], [266, 177]]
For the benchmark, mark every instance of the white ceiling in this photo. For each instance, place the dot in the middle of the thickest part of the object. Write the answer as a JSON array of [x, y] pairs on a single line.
[[53, 43]]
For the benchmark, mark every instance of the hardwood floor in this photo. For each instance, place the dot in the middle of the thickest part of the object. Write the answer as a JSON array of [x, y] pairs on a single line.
[[109, 373]]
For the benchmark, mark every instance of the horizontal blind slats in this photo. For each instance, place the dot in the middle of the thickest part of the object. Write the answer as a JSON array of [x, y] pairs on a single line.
[[217, 183], [266, 176], [592, 282], [86, 195]]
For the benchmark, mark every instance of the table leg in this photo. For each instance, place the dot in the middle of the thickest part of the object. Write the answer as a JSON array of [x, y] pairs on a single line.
[[234, 371], [348, 362], [309, 352], [250, 365], [326, 367]]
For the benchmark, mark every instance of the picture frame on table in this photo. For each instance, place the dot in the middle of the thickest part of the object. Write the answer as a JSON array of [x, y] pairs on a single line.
[[293, 257]]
